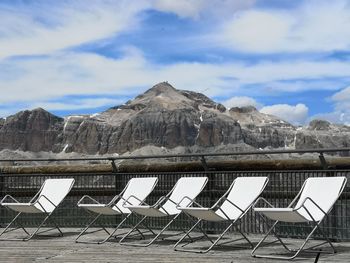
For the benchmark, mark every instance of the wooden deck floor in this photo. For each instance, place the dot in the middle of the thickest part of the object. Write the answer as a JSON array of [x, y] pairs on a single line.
[[64, 249]]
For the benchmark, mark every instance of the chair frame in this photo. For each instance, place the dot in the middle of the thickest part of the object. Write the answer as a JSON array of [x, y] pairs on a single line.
[[111, 204], [36, 232], [232, 222], [315, 226], [156, 205]]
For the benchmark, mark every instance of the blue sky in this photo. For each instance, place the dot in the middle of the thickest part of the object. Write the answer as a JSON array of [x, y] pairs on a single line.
[[287, 58]]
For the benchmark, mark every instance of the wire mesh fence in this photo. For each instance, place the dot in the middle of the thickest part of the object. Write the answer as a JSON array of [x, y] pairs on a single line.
[[283, 186]]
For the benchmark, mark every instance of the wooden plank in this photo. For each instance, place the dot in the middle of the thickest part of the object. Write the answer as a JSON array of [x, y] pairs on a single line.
[[64, 249]]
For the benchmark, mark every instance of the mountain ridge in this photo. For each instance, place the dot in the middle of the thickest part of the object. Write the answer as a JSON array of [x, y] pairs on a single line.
[[161, 118]]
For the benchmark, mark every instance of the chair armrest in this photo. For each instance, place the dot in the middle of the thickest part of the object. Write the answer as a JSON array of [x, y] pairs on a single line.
[[240, 209], [47, 200], [115, 199], [87, 197], [134, 197], [187, 198], [313, 202], [216, 205], [264, 200], [6, 197], [233, 204], [160, 201]]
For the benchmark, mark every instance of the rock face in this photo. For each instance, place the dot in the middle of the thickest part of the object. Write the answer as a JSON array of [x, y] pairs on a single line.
[[36, 130], [164, 118], [262, 130], [322, 134]]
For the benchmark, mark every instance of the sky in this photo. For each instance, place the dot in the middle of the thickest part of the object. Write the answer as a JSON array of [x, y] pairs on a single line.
[[286, 58]]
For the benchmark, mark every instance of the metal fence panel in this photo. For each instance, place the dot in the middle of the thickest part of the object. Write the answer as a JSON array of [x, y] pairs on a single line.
[[282, 188]]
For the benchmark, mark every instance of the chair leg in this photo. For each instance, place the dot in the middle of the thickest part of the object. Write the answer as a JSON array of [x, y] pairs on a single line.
[[56, 226], [297, 251], [109, 234], [131, 230], [82, 233], [36, 230], [29, 236], [152, 240], [214, 243], [6, 230], [187, 234]]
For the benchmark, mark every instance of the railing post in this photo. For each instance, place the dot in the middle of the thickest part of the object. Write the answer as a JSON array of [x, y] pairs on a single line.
[[204, 163], [116, 181], [323, 161], [114, 166], [2, 193]]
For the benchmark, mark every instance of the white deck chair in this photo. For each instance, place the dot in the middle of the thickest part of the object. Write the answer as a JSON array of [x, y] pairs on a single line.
[[315, 200], [50, 195], [166, 206], [231, 207], [138, 187]]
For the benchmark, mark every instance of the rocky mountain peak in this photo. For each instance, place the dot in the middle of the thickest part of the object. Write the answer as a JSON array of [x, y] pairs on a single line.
[[33, 119], [164, 118], [319, 125], [249, 115], [244, 109], [31, 130], [162, 87]]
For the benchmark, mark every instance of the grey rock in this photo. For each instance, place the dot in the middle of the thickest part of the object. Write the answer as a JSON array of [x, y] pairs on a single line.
[[216, 129], [164, 119], [36, 130], [319, 125]]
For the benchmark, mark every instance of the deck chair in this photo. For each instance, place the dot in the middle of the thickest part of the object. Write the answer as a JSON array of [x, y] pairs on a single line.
[[315, 200], [138, 187], [166, 206], [231, 207], [50, 195]]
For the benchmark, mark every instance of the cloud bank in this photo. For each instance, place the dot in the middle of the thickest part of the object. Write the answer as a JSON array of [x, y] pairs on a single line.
[[243, 52]]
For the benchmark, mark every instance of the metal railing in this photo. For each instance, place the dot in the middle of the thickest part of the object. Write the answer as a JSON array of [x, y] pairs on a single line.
[[282, 188]]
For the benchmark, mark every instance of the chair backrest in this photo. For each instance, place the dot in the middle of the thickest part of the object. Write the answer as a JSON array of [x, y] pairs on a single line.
[[324, 191], [243, 192], [138, 187], [52, 193], [185, 186]]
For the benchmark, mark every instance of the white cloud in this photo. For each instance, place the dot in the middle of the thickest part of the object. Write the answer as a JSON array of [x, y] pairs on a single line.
[[341, 112], [196, 9], [241, 101], [43, 29], [342, 96], [47, 78], [77, 104], [336, 116], [294, 114], [182, 8], [315, 26], [257, 30]]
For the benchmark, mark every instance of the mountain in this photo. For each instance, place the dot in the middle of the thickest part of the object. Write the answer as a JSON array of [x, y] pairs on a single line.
[[164, 120], [36, 130]]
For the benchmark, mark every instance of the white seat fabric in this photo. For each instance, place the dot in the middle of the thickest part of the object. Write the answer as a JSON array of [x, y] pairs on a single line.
[[138, 187], [243, 192], [324, 191], [238, 199], [51, 194], [134, 193], [313, 203], [185, 187], [189, 187]]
